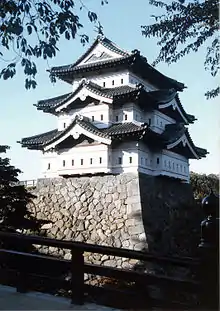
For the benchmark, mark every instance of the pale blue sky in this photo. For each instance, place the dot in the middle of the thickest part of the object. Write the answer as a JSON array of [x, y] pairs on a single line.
[[121, 20]]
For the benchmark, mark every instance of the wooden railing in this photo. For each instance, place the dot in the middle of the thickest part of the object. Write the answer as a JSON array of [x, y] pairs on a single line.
[[27, 183], [25, 270]]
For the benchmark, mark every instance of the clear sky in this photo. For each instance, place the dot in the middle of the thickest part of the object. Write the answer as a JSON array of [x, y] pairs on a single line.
[[121, 20]]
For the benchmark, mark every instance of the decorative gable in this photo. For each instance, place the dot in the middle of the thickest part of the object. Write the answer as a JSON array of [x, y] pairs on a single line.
[[98, 56]]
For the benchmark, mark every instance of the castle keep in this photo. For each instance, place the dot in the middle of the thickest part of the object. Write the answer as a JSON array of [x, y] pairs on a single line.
[[120, 116]]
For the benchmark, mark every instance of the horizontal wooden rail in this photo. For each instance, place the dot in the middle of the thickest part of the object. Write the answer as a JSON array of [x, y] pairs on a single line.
[[106, 250], [32, 266]]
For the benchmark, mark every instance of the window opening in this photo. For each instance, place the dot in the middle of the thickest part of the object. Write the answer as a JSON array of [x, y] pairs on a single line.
[[81, 161], [48, 166], [113, 82], [64, 125], [158, 160], [64, 162], [92, 118], [100, 160], [130, 159], [90, 160], [101, 117], [103, 84], [116, 118], [72, 162], [149, 121], [126, 117], [122, 81], [120, 160]]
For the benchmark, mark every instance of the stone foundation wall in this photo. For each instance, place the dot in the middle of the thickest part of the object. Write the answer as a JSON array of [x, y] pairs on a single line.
[[129, 210]]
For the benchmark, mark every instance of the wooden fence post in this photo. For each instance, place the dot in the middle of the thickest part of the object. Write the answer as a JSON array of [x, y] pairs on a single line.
[[22, 276], [77, 270], [209, 254]]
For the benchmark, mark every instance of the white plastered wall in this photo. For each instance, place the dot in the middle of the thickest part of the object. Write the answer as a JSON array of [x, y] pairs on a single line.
[[78, 160], [175, 165], [99, 112], [159, 120], [128, 153]]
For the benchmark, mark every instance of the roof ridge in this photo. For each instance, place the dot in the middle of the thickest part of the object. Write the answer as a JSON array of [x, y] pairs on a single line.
[[38, 135], [119, 49], [52, 98]]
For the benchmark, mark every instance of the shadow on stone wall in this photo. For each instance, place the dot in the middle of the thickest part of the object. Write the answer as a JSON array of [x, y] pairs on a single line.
[[171, 217]]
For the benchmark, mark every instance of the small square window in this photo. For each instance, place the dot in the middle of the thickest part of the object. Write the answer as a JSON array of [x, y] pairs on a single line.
[[48, 166], [93, 119], [101, 117], [130, 159], [113, 82], [122, 81], [90, 160], [120, 160], [126, 117], [103, 84], [100, 160], [72, 162], [116, 118], [158, 160], [64, 162], [81, 161]]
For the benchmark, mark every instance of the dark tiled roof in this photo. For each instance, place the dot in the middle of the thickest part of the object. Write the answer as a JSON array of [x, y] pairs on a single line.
[[200, 151], [47, 104], [41, 140], [190, 118], [163, 96], [37, 141], [105, 42], [136, 63], [173, 132], [64, 71], [110, 92], [124, 128]]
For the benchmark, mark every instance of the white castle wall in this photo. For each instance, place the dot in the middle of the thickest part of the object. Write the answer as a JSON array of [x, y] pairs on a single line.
[[100, 113], [127, 157], [77, 160]]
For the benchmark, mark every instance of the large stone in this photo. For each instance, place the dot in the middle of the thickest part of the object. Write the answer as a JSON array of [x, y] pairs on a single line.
[[110, 263], [78, 205], [60, 223], [96, 194], [83, 197], [108, 198], [101, 234], [81, 226]]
